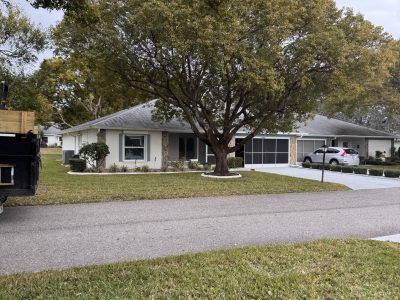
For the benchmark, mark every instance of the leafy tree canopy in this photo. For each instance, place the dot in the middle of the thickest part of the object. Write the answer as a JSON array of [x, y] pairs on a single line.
[[68, 5], [253, 64], [20, 40]]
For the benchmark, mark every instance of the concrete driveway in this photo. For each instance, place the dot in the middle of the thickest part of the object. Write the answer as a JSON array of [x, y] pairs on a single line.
[[353, 181], [34, 238]]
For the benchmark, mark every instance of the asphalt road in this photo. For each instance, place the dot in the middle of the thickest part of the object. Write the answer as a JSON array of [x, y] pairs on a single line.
[[47, 237]]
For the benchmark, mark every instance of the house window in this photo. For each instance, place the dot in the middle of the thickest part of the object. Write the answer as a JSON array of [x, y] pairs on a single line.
[[134, 147], [187, 148]]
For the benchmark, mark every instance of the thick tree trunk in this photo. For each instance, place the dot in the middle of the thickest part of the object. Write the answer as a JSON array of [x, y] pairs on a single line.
[[221, 164]]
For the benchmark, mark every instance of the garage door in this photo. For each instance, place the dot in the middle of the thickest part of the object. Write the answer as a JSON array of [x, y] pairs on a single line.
[[266, 152], [306, 146]]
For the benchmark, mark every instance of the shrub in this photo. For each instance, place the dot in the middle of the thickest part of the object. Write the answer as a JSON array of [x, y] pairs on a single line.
[[138, 169], [77, 164], [336, 168], [306, 165], [124, 169], [164, 168], [316, 166], [379, 162], [145, 169], [113, 169], [178, 165], [392, 173], [374, 172], [361, 171], [348, 169], [235, 162], [95, 154], [206, 167], [378, 154], [194, 165]]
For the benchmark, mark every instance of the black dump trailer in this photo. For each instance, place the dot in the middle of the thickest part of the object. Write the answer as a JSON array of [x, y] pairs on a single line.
[[19, 161], [19, 165]]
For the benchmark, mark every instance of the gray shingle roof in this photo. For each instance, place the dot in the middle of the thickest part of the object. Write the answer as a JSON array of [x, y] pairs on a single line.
[[52, 130], [140, 118], [135, 118], [323, 126]]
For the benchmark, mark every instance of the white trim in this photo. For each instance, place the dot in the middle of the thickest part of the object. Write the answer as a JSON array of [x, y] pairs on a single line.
[[221, 177], [132, 132], [207, 155], [145, 145], [7, 135]]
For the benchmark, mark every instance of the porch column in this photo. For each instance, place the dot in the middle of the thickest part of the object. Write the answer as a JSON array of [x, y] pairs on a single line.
[[164, 149], [293, 150], [101, 138]]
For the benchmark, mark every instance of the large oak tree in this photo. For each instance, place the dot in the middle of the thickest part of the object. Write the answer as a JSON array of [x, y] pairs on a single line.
[[256, 65]]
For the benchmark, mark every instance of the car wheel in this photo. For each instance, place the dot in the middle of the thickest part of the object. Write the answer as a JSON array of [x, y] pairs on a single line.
[[334, 162], [307, 160]]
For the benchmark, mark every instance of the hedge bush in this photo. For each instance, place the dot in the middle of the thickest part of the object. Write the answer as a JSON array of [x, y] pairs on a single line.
[[392, 174], [178, 165], [306, 165], [348, 169], [376, 162], [336, 168], [361, 171], [77, 164], [194, 165], [235, 162], [374, 172], [95, 154], [316, 166]]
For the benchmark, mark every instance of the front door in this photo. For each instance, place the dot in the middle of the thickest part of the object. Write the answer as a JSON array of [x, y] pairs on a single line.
[[187, 148]]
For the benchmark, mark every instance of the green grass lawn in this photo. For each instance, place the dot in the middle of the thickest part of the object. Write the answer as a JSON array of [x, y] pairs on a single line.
[[56, 186], [341, 269]]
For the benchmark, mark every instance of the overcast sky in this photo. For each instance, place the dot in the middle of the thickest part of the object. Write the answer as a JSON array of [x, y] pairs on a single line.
[[385, 13]]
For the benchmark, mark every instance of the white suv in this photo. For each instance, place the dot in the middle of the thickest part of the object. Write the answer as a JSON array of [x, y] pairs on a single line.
[[334, 156]]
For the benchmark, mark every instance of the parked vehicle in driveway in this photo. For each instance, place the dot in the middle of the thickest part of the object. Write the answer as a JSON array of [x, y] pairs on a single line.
[[334, 156]]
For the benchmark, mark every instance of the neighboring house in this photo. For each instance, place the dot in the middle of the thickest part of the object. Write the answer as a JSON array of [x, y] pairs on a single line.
[[51, 136], [135, 140]]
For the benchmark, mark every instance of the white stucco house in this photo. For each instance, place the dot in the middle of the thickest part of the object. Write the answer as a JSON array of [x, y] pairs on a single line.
[[51, 136], [134, 140]]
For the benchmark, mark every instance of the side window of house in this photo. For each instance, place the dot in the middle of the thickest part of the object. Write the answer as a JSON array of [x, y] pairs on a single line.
[[134, 147]]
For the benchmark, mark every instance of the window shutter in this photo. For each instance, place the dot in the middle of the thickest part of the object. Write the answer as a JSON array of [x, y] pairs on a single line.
[[121, 147], [148, 148]]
